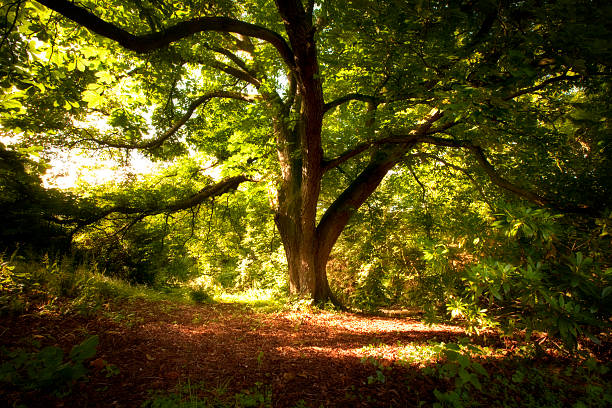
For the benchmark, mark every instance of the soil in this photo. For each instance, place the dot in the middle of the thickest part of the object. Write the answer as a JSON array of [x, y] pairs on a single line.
[[313, 356]]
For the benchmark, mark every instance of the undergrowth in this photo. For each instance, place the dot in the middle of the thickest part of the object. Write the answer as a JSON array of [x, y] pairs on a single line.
[[47, 369], [469, 375]]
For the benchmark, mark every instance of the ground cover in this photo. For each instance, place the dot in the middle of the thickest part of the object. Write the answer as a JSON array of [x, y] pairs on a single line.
[[164, 354]]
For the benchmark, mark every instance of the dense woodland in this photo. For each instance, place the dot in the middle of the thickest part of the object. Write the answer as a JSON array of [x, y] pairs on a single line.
[[447, 159]]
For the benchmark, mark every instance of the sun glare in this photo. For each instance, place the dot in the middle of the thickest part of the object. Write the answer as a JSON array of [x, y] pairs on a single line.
[[68, 169]]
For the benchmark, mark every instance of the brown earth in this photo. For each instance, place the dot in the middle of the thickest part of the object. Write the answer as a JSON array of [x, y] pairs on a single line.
[[222, 349]]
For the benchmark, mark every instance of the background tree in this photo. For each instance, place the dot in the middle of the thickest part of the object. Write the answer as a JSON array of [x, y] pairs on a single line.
[[295, 93]]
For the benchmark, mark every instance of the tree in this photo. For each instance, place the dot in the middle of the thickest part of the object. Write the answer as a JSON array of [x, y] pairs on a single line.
[[350, 86]]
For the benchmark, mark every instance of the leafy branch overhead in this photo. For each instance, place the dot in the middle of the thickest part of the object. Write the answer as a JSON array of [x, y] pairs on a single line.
[[141, 211]]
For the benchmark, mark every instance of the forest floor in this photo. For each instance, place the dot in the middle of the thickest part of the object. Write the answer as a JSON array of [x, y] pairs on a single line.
[[227, 355]]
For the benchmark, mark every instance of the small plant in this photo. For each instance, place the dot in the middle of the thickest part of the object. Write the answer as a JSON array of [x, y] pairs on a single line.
[[200, 295], [185, 397], [260, 358], [47, 370], [379, 376], [461, 369], [12, 286], [258, 396], [189, 396]]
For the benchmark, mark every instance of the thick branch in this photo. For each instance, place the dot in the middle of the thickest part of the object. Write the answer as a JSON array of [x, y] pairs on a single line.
[[153, 41], [342, 209], [213, 190], [158, 141], [338, 214], [207, 192], [423, 129], [347, 98], [562, 77]]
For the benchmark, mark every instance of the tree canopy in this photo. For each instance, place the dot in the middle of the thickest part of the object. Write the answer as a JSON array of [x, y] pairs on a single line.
[[316, 103]]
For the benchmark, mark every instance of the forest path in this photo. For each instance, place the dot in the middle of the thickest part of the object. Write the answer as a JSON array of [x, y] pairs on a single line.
[[218, 350]]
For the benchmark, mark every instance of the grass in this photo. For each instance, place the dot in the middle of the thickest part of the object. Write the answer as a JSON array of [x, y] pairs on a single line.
[[28, 284], [22, 281], [262, 300]]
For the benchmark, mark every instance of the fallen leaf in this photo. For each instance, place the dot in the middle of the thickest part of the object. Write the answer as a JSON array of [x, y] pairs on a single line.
[[172, 375], [98, 363]]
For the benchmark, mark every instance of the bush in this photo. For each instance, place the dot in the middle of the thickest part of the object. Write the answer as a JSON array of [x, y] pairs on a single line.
[[533, 286]]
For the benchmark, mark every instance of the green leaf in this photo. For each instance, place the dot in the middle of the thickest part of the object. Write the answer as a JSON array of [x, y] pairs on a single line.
[[84, 350], [477, 367], [51, 357]]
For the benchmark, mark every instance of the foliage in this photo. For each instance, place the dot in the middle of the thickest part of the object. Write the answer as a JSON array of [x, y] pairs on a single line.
[[65, 286], [190, 396], [380, 370], [47, 370], [27, 210], [521, 92], [460, 368], [534, 386], [537, 285], [467, 374], [11, 287]]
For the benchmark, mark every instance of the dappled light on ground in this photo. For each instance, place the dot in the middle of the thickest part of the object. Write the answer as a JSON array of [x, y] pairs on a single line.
[[320, 357]]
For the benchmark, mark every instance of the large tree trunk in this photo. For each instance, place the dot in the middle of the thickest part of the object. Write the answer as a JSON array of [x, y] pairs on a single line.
[[307, 268], [308, 252], [301, 157], [296, 212]]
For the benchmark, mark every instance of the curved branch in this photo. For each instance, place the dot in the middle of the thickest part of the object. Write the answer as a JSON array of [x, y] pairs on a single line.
[[207, 192], [360, 148], [158, 141], [11, 26], [235, 59], [369, 99], [558, 78], [329, 164], [481, 158], [502, 182], [213, 190], [347, 98], [236, 73], [153, 41], [424, 128]]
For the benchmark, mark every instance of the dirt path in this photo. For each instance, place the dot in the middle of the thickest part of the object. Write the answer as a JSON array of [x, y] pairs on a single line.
[[314, 357]]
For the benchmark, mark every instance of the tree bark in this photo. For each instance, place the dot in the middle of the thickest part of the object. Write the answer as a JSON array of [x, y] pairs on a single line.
[[301, 158]]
